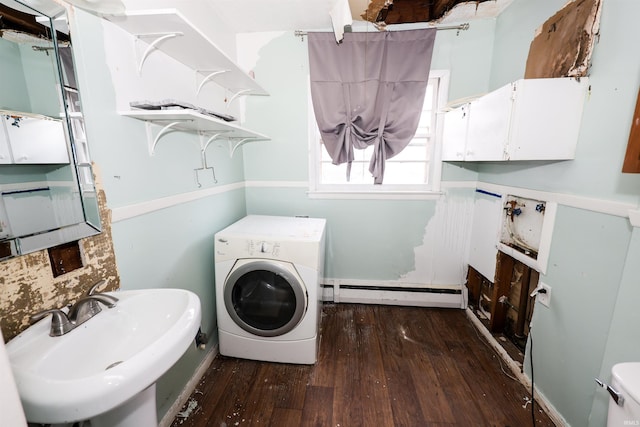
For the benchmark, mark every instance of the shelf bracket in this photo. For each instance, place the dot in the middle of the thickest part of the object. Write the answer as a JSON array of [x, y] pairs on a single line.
[[208, 77], [211, 139], [160, 37], [233, 147], [236, 95], [164, 130]]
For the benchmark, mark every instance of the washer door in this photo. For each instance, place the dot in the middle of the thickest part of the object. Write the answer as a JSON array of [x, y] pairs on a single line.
[[265, 298]]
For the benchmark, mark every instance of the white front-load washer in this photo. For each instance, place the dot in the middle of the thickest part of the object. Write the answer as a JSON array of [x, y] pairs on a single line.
[[268, 297]]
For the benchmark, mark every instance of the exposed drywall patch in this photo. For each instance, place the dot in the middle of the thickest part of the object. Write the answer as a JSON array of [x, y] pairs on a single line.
[[563, 45], [27, 284], [441, 259]]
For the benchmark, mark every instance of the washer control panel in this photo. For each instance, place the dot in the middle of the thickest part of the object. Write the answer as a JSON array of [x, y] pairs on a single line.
[[264, 247]]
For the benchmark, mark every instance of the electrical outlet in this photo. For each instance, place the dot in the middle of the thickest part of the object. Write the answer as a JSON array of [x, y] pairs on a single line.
[[544, 298]]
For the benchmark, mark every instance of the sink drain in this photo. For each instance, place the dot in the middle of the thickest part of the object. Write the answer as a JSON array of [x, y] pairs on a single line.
[[113, 365]]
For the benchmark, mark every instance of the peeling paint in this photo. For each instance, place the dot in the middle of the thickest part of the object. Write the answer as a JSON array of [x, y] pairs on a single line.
[[441, 259], [27, 284]]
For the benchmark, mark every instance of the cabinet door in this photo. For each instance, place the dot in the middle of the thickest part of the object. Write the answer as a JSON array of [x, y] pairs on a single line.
[[38, 141], [489, 119], [454, 134], [5, 154], [546, 118], [487, 216]]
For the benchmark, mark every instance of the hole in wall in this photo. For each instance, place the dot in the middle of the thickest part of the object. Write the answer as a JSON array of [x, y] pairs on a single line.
[[503, 305], [65, 258]]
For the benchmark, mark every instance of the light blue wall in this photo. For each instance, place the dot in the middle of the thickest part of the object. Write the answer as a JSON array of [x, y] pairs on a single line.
[[364, 240], [171, 247], [42, 80], [614, 80], [587, 257], [12, 85], [467, 55], [583, 333], [29, 80], [622, 340], [367, 239], [591, 271], [573, 339]]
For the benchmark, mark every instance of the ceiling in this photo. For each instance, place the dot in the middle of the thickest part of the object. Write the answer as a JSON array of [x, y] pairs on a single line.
[[284, 15], [244, 16]]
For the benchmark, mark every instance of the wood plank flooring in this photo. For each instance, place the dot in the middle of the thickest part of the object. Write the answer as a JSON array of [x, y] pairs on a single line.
[[382, 366]]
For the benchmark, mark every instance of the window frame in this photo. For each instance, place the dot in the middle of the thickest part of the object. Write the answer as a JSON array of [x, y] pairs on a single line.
[[429, 190]]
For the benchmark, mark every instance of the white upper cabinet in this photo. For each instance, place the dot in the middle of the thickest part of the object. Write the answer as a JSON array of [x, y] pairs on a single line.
[[533, 119], [489, 119], [454, 135]]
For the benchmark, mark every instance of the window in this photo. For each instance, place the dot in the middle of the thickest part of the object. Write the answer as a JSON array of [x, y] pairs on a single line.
[[413, 171]]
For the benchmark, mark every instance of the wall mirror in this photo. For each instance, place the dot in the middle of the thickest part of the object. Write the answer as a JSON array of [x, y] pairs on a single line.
[[47, 192]]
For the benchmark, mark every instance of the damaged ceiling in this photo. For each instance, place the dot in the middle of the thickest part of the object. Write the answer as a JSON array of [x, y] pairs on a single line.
[[249, 15], [12, 21], [387, 12], [284, 15], [562, 46]]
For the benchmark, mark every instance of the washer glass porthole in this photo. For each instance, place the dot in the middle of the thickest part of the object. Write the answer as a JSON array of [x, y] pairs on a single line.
[[265, 298]]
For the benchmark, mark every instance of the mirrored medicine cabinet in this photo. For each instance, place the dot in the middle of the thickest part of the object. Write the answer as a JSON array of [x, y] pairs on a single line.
[[47, 192]]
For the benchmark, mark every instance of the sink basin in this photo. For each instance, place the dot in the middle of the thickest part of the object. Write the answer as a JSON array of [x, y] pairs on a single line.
[[106, 361]]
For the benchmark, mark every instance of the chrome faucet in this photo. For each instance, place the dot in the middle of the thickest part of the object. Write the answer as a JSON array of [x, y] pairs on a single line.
[[83, 309], [87, 307], [60, 323]]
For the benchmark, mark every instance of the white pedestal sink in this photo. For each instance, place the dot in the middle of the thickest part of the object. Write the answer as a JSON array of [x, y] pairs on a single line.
[[105, 370]]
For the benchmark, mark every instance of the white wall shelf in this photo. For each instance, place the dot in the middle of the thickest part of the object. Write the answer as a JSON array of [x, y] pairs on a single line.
[[195, 122], [169, 31]]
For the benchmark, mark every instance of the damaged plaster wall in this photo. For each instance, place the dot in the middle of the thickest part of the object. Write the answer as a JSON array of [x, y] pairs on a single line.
[[27, 285], [562, 46], [441, 259]]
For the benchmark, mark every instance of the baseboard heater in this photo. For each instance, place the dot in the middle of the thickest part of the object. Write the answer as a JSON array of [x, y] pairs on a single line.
[[451, 296]]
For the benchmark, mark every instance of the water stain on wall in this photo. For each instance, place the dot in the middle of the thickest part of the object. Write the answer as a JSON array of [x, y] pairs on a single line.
[[27, 285]]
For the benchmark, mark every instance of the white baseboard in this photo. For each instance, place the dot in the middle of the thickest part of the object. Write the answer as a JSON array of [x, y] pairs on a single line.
[[168, 418], [394, 293], [516, 370]]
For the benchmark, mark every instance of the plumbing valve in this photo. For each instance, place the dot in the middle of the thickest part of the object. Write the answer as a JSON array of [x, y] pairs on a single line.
[[201, 339], [512, 210]]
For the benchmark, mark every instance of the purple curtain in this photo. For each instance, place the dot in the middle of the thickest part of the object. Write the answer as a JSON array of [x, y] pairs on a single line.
[[369, 90]]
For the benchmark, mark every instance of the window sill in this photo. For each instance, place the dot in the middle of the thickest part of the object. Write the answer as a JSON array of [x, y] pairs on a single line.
[[374, 195]]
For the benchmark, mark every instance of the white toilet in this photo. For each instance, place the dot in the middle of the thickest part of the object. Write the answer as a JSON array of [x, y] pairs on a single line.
[[625, 380]]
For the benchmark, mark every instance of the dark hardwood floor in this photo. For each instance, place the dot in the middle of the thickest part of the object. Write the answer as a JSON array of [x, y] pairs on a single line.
[[378, 366]]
